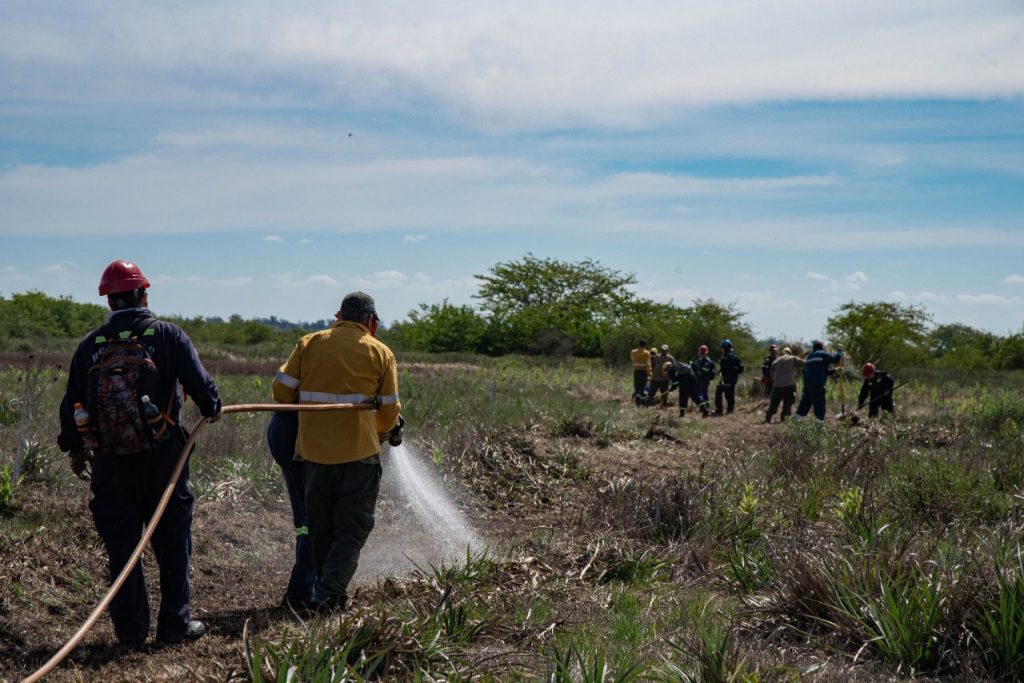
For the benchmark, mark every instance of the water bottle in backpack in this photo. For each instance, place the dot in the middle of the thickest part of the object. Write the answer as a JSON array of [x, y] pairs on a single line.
[[84, 428], [155, 420]]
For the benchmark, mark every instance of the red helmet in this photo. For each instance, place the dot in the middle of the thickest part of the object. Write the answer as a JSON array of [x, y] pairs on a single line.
[[703, 350], [121, 276], [868, 370]]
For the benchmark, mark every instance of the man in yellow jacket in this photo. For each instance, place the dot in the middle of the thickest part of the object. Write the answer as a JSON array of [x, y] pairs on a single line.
[[341, 449], [641, 359]]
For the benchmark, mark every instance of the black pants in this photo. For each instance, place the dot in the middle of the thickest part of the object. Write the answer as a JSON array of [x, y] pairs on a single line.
[[281, 434], [729, 392], [659, 392], [690, 391], [126, 490], [784, 395], [340, 503], [885, 403], [639, 382]]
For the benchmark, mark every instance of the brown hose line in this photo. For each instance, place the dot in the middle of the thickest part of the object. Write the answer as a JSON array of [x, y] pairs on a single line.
[[73, 642]]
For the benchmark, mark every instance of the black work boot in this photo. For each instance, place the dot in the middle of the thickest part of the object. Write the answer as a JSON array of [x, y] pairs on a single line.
[[682, 412], [193, 631]]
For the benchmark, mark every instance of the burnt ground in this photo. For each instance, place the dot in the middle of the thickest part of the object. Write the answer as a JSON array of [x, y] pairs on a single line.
[[55, 566]]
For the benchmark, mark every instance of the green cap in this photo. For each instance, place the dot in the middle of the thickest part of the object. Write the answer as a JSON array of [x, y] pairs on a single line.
[[358, 305]]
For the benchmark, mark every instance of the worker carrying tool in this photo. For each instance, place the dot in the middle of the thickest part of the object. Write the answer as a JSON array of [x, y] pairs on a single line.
[[783, 384], [121, 414], [682, 377], [730, 369], [659, 379], [641, 359], [876, 390], [341, 451], [817, 369]]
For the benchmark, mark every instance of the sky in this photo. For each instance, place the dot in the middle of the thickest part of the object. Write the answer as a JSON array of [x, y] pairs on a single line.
[[264, 158]]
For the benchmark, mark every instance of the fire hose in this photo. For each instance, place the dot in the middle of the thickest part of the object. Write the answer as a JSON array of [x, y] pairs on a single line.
[[73, 642]]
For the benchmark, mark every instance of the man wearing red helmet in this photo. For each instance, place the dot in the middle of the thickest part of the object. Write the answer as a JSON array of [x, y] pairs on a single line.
[[878, 385], [129, 476], [705, 369]]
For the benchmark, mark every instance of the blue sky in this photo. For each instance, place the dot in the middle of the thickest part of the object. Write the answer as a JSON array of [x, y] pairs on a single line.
[[265, 158]]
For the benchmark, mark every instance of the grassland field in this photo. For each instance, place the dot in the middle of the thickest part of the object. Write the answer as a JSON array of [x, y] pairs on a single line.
[[626, 543]]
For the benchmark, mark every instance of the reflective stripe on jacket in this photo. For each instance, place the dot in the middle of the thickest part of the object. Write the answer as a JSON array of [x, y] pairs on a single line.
[[342, 364]]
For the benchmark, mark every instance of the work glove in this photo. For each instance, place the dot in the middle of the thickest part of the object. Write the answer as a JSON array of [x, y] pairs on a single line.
[[216, 416], [79, 462], [395, 435]]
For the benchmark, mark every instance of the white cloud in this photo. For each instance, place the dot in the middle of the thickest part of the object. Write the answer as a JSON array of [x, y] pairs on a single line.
[[305, 240], [817, 276], [988, 299], [384, 278], [55, 269], [291, 281], [414, 238], [924, 295], [855, 279], [1014, 279], [622, 64], [273, 238]]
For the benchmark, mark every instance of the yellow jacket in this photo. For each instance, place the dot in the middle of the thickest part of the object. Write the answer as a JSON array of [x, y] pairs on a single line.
[[342, 364], [641, 359]]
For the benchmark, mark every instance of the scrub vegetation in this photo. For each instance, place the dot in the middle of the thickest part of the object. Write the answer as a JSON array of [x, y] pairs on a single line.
[[625, 543]]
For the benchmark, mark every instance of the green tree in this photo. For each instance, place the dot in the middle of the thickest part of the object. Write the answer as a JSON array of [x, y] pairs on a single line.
[[442, 328], [1009, 352], [705, 321], [535, 304], [960, 346], [881, 331]]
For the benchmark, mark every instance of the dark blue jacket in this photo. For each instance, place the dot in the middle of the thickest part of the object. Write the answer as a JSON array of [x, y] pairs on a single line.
[[176, 361], [816, 367], [704, 368], [731, 367]]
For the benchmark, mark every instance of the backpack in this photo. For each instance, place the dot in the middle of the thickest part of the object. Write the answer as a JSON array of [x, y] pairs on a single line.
[[117, 382]]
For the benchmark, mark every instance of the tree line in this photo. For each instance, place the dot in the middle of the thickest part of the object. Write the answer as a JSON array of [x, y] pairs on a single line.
[[539, 306]]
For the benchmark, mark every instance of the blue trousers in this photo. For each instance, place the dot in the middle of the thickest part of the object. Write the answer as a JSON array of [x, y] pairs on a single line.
[[281, 435], [126, 490], [812, 396]]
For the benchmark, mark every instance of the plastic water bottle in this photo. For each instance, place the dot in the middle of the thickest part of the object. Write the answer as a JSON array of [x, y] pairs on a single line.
[[84, 429], [155, 420]]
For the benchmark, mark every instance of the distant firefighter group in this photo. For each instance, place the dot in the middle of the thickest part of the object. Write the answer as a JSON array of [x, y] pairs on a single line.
[[657, 375]]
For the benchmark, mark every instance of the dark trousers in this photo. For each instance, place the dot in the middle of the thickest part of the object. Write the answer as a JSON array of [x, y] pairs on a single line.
[[340, 502], [689, 391], [703, 385], [885, 403], [659, 392], [281, 434], [784, 395], [126, 490], [812, 396], [729, 392], [639, 382]]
